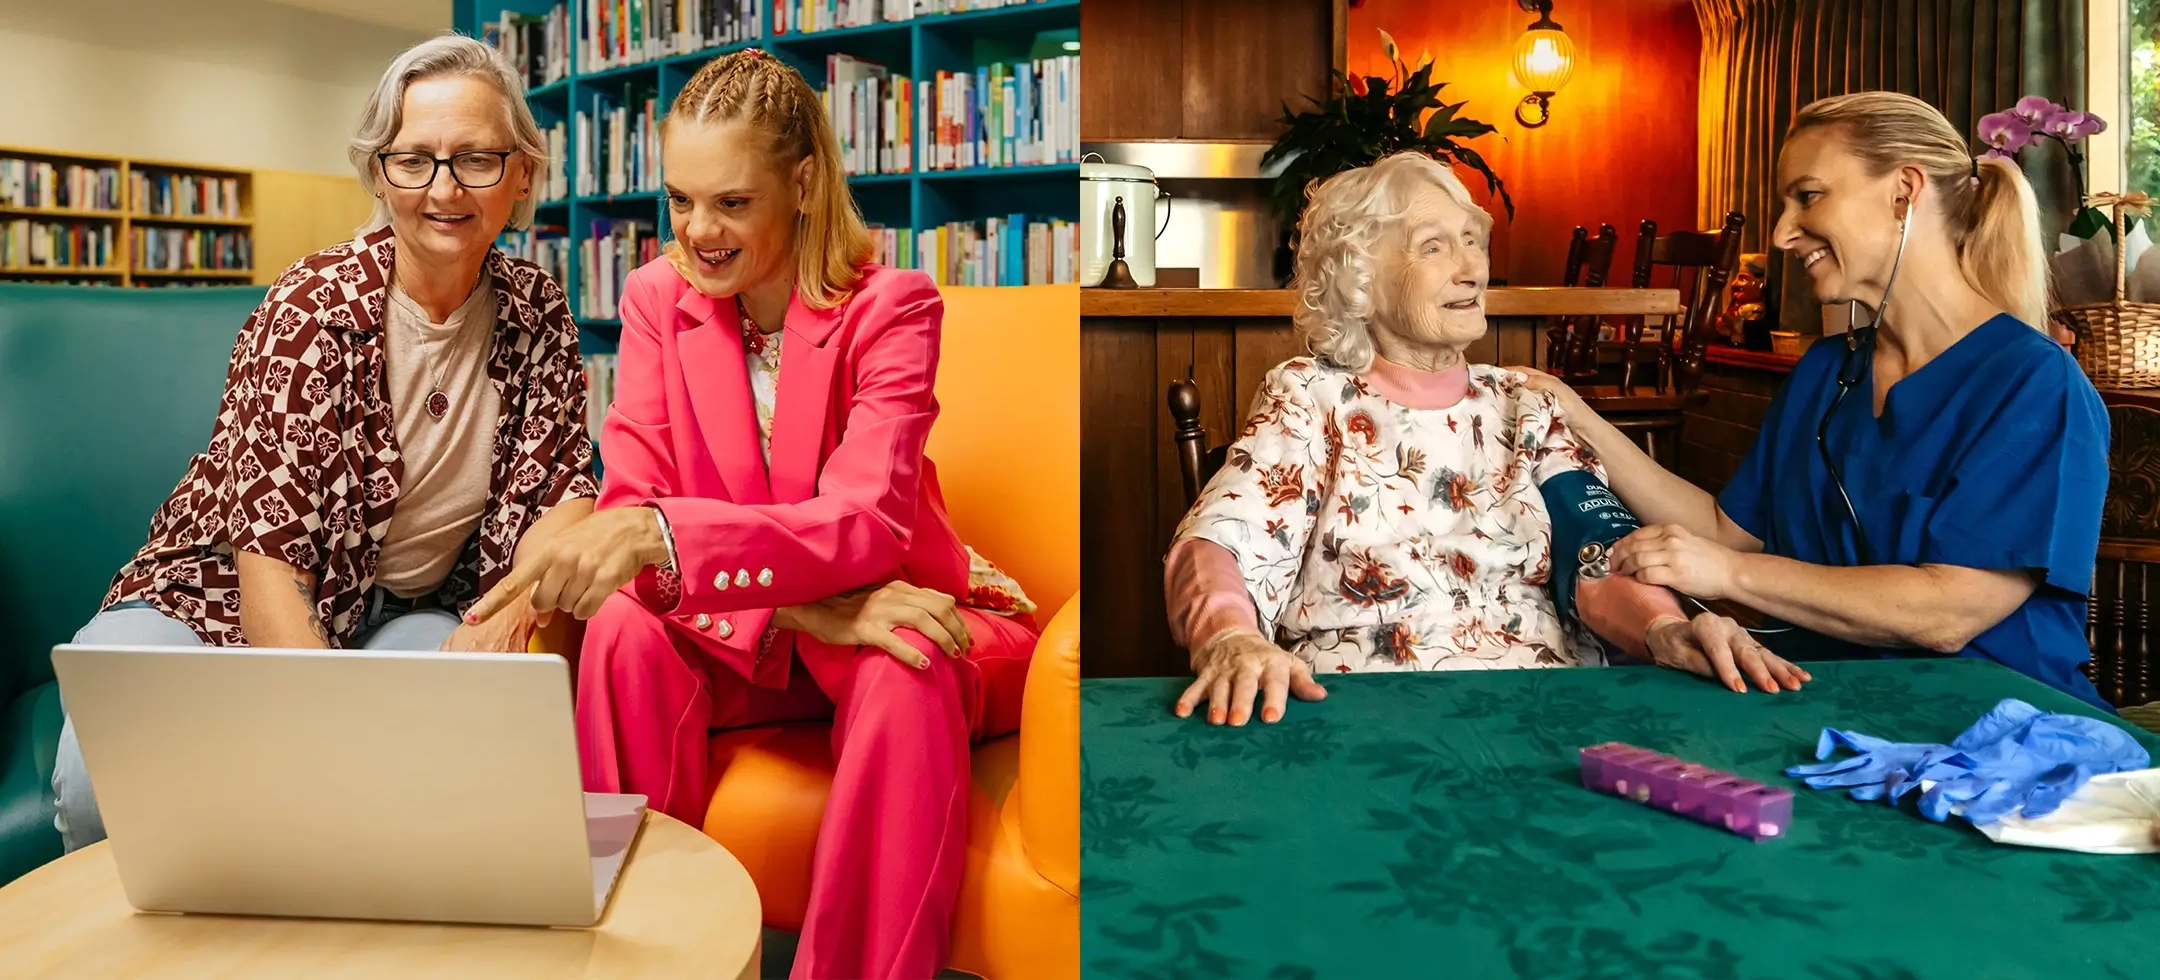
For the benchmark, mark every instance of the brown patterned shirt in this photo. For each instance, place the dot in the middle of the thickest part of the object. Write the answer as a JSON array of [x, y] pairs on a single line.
[[304, 465]]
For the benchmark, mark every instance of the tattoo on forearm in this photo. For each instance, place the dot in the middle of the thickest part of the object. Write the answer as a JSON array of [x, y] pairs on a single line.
[[314, 615]]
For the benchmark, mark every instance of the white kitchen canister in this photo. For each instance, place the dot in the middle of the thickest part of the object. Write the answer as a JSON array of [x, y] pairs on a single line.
[[1103, 188]]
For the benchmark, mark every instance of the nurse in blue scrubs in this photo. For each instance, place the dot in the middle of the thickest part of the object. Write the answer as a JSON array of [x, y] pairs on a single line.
[[1971, 448]]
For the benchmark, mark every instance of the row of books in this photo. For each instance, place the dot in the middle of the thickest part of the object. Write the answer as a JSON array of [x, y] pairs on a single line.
[[184, 195], [871, 111], [537, 45], [547, 246], [179, 249], [599, 390], [605, 260], [619, 147], [627, 32], [50, 244], [807, 16], [1009, 251], [554, 184], [38, 184], [1001, 115]]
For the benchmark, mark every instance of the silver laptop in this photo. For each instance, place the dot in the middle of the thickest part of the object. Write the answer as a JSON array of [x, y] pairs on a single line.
[[345, 784]]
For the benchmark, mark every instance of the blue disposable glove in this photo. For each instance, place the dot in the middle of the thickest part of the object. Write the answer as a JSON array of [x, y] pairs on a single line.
[[1879, 768], [2016, 759]]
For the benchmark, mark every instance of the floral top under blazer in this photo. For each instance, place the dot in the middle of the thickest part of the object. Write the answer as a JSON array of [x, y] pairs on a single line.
[[1378, 537], [303, 464]]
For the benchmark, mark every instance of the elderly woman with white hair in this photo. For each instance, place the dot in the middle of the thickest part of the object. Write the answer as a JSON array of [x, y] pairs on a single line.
[[403, 417], [1383, 508]]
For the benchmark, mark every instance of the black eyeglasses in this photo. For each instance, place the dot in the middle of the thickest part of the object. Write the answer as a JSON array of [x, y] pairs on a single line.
[[473, 168]]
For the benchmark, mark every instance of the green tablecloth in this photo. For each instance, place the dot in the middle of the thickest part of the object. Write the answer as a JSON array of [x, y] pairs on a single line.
[[1434, 825]]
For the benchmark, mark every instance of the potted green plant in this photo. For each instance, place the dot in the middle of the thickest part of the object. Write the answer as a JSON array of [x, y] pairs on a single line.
[[1370, 117]]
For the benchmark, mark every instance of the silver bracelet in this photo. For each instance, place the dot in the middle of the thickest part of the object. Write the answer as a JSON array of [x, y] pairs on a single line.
[[667, 535]]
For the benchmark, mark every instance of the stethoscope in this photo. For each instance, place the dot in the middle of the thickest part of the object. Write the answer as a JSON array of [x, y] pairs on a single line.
[[1595, 558], [1854, 368]]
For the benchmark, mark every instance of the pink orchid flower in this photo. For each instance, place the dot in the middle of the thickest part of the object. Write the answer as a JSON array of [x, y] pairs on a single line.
[[2006, 132], [2035, 110], [2071, 126]]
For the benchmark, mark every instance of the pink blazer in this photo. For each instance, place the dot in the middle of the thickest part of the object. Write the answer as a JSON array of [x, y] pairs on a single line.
[[850, 501]]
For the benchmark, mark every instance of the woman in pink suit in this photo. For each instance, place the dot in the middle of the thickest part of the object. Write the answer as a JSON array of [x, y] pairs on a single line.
[[770, 542]]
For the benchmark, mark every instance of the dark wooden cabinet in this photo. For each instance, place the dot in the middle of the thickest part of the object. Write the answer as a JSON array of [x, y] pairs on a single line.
[[2120, 620], [1204, 70]]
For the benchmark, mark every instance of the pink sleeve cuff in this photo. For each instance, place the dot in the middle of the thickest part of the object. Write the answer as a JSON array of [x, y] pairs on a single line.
[[1205, 592]]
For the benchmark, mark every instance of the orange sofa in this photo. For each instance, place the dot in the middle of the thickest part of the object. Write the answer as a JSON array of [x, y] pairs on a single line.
[[1007, 447]]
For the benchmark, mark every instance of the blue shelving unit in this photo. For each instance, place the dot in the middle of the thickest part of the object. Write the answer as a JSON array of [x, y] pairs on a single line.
[[920, 48]]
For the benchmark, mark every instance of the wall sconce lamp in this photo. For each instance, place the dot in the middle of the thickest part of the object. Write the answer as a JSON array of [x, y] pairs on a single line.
[[1544, 60]]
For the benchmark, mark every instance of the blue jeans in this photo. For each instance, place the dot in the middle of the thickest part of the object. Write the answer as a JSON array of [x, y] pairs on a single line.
[[139, 624]]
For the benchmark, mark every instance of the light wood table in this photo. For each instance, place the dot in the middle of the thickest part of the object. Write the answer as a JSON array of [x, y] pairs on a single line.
[[683, 908]]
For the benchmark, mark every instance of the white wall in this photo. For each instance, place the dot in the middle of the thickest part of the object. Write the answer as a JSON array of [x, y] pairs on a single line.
[[242, 83]]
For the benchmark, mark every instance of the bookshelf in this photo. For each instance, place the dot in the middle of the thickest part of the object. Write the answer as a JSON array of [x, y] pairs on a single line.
[[122, 221], [906, 205]]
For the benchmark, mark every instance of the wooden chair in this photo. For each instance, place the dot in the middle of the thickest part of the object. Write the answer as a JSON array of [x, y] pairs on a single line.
[[1699, 264], [1571, 341], [1196, 462]]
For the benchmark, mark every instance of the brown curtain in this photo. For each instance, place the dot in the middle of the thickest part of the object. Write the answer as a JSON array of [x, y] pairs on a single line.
[[1762, 60]]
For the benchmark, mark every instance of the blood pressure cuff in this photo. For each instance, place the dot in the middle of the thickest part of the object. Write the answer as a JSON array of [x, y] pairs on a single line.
[[1584, 512]]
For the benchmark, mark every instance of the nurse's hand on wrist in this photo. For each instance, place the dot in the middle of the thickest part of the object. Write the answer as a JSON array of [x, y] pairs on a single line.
[[1716, 647], [1571, 402], [1678, 559]]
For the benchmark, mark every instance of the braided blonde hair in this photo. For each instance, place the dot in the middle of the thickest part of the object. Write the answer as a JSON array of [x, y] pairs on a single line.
[[754, 88]]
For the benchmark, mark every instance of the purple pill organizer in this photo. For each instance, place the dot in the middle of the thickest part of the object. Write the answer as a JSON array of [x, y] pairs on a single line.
[[1699, 793]]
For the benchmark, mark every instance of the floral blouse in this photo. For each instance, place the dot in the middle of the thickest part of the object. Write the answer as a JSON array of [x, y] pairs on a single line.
[[1374, 536], [303, 463], [989, 588]]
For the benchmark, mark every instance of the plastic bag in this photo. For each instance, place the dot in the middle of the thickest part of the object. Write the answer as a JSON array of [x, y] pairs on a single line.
[[2112, 814]]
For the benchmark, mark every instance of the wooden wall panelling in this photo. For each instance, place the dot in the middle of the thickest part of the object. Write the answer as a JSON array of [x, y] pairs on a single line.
[[1134, 63], [1243, 59], [1715, 435], [1122, 620], [298, 214]]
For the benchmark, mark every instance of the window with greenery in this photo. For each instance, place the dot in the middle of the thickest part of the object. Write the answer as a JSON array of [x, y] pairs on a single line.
[[2142, 154]]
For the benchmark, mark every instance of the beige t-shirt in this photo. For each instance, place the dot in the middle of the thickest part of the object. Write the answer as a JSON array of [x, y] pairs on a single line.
[[448, 460]]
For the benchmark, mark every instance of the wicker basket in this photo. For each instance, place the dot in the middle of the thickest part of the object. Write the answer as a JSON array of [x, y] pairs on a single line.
[[2118, 342]]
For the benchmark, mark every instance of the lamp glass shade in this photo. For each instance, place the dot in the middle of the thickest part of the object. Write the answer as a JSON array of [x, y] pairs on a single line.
[[1544, 60]]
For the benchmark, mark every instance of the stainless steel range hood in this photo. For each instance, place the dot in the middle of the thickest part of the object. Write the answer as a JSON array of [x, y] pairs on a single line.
[[1178, 160]]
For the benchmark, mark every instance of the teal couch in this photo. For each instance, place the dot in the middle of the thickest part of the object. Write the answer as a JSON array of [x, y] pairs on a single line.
[[104, 395]]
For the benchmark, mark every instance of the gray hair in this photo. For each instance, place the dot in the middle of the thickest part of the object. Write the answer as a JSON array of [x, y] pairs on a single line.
[[443, 55], [1347, 217]]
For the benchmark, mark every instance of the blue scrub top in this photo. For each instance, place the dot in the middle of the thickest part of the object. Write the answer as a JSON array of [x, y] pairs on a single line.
[[1993, 455]]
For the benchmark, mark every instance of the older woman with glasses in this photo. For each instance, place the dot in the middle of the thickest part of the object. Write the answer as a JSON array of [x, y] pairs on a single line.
[[403, 418]]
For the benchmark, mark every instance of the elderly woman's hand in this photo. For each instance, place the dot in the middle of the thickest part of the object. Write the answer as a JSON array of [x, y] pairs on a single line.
[[1239, 664], [1678, 559], [1715, 646]]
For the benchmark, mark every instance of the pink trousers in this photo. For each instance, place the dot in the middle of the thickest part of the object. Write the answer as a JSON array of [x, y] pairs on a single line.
[[886, 870]]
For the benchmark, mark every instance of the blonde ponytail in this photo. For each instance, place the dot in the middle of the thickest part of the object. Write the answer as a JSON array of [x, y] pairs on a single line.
[[1994, 222], [2000, 253]]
